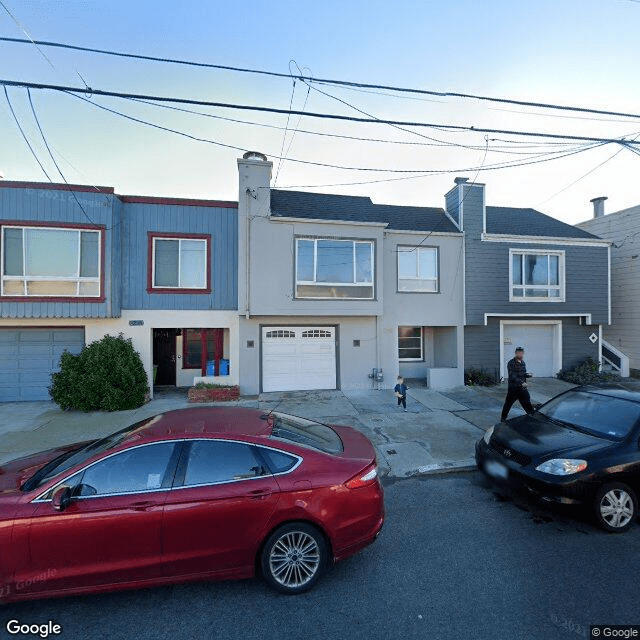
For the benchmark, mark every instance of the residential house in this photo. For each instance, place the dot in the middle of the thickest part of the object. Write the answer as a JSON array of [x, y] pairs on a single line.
[[80, 262], [335, 292], [621, 350], [530, 281]]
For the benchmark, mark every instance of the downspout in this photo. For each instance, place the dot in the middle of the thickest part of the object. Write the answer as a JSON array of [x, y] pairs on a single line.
[[247, 260]]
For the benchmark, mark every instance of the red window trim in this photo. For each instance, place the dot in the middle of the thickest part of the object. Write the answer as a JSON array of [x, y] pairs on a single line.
[[176, 236], [62, 225], [218, 337]]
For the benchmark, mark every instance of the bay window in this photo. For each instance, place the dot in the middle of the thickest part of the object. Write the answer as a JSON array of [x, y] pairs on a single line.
[[327, 268], [48, 261]]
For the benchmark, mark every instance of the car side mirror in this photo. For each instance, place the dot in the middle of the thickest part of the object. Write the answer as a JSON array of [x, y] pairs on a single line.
[[61, 498]]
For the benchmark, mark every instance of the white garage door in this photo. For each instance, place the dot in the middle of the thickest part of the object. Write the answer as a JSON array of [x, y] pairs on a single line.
[[541, 343], [298, 358], [29, 356]]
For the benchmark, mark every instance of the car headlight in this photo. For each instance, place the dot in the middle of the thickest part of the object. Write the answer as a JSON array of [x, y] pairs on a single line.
[[562, 466], [487, 434]]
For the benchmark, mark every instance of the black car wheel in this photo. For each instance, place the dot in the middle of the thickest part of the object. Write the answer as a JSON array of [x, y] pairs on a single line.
[[294, 557], [616, 506]]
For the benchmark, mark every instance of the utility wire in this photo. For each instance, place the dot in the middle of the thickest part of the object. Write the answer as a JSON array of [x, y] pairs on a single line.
[[26, 33], [311, 114], [345, 83]]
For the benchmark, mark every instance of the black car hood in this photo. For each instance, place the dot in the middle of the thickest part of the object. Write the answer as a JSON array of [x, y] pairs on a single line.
[[538, 437]]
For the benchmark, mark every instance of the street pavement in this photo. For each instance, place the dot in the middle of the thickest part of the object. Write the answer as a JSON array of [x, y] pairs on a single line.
[[437, 433], [453, 561]]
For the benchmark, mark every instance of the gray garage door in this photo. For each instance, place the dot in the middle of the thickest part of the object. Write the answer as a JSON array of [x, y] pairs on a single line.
[[27, 358]]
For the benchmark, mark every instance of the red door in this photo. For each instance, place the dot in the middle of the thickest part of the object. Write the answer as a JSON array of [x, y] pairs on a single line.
[[217, 520]]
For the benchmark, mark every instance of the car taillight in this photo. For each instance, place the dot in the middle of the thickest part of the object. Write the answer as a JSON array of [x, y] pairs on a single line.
[[365, 477]]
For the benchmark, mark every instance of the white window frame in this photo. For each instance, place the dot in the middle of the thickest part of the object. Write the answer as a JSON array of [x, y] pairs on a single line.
[[25, 278], [179, 285], [417, 277], [561, 277], [421, 358], [314, 282]]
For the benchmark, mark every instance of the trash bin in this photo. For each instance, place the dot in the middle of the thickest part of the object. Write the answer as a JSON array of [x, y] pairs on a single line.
[[224, 367], [211, 367]]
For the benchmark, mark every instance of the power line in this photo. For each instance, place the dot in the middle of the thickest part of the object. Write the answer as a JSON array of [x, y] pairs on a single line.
[[345, 83], [311, 114], [26, 33]]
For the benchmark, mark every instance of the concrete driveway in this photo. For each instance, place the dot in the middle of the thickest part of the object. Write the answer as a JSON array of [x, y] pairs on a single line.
[[437, 433]]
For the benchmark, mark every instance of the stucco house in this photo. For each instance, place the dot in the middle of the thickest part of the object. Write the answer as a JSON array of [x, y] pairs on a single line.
[[621, 349], [335, 292], [79, 262], [530, 281]]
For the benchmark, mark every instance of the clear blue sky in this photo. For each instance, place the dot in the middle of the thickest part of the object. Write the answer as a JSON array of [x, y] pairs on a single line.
[[578, 52]]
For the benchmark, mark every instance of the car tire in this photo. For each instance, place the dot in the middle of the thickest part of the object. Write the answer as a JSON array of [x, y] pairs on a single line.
[[616, 507], [294, 557]]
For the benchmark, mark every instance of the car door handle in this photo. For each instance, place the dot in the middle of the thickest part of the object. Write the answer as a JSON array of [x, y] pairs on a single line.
[[259, 494], [143, 505]]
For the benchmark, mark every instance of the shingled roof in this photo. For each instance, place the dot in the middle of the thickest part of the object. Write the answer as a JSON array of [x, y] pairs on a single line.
[[324, 206], [503, 220]]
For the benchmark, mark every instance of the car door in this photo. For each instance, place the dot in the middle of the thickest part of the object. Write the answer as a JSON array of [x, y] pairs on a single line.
[[215, 516], [111, 530]]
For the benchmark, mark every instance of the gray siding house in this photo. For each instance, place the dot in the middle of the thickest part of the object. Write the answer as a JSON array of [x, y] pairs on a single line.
[[335, 292], [530, 281], [80, 262], [622, 229]]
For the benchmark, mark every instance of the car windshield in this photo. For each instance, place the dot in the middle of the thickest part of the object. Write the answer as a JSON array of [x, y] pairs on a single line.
[[78, 456], [305, 432], [599, 414]]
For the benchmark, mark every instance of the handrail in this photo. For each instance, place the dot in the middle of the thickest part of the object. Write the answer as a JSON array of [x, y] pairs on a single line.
[[622, 364]]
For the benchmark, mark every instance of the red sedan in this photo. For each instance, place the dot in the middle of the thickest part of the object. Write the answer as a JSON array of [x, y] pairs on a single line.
[[192, 494]]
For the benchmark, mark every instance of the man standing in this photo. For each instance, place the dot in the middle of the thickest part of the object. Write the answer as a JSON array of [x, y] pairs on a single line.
[[517, 385]]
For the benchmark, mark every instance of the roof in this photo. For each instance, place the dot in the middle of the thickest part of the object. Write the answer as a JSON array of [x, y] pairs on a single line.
[[325, 206], [529, 222], [203, 420]]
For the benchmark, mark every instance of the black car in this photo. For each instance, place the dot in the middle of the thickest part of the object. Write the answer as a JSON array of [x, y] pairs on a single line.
[[581, 447]]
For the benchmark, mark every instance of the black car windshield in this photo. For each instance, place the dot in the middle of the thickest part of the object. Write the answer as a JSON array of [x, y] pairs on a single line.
[[599, 414], [305, 432], [78, 456]]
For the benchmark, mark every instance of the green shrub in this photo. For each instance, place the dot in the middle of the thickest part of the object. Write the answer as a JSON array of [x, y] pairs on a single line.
[[586, 373], [480, 377], [210, 385], [107, 375]]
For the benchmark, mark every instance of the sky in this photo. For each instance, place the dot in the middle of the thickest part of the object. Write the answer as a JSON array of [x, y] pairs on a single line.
[[570, 52]]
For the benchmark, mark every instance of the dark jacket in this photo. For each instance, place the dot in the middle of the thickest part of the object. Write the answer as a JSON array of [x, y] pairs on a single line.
[[517, 372], [401, 389]]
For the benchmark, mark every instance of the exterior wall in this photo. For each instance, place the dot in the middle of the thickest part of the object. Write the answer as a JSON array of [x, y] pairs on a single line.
[[58, 205], [353, 363], [220, 222], [142, 336], [482, 344], [487, 272], [623, 229]]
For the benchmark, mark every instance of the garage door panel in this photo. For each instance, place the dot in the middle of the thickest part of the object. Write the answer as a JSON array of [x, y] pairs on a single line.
[[29, 356], [539, 343], [298, 358]]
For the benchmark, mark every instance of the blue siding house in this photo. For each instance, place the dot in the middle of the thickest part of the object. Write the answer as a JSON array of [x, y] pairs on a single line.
[[80, 262]]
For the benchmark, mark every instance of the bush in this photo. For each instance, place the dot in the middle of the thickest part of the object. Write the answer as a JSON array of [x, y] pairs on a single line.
[[480, 377], [107, 375], [586, 373]]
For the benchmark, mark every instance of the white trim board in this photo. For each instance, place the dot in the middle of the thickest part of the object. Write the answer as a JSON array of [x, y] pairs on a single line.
[[557, 342], [586, 316], [350, 223], [582, 242]]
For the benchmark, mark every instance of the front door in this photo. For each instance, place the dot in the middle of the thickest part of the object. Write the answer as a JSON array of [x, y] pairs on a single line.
[[164, 356]]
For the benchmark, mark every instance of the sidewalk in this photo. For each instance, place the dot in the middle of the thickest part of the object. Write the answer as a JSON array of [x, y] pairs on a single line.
[[437, 433]]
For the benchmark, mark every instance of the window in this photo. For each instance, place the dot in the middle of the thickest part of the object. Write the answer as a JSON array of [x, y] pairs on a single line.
[[317, 333], [280, 333], [418, 269], [200, 346], [278, 461], [139, 469], [179, 264], [410, 343], [51, 262], [334, 269], [305, 432], [212, 462], [537, 276]]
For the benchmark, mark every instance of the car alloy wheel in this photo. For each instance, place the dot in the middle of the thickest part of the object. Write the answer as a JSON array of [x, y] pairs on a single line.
[[293, 558], [616, 507]]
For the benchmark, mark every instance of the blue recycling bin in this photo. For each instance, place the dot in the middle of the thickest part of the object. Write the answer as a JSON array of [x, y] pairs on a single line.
[[211, 367], [224, 367]]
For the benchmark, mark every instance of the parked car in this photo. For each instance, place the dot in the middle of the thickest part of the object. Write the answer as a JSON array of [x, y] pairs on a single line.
[[192, 494], [581, 447]]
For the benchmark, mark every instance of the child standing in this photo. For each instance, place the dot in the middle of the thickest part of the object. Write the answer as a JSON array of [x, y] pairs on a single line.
[[401, 392]]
